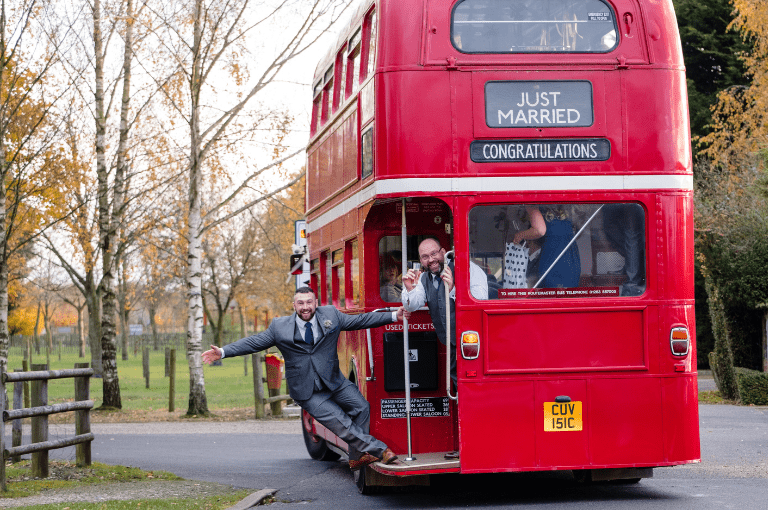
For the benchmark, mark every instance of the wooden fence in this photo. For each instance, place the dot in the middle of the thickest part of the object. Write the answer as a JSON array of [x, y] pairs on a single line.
[[39, 412]]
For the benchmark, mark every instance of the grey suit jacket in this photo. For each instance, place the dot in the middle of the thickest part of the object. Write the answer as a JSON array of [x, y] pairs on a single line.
[[303, 362]]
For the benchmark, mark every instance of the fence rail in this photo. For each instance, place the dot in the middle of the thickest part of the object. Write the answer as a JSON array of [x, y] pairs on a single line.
[[39, 412]]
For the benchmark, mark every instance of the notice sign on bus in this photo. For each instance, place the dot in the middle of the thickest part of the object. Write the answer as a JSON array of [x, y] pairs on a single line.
[[520, 104], [420, 407], [573, 292], [524, 151]]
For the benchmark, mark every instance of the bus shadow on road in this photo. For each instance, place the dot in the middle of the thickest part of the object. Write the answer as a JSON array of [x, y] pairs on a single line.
[[518, 488]]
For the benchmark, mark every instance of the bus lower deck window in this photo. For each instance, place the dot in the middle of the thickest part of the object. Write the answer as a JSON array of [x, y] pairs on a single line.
[[560, 250]]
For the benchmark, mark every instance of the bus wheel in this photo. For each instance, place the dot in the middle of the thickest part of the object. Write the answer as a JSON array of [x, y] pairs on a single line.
[[317, 447], [582, 476], [360, 480]]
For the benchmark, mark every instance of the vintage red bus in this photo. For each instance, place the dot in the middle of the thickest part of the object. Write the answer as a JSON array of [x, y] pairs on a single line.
[[473, 121]]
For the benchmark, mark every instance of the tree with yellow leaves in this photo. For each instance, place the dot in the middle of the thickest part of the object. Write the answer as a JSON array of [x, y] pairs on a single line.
[[731, 209], [29, 172]]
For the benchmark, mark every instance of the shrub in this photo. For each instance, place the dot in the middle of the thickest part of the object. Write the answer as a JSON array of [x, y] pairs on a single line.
[[753, 386]]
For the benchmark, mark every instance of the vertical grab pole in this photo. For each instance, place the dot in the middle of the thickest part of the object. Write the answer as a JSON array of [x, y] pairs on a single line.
[[448, 333], [407, 364]]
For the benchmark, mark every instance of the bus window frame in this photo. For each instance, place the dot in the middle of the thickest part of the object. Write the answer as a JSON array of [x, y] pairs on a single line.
[[368, 130], [368, 23], [349, 286], [354, 48], [338, 81], [314, 276], [341, 75], [338, 279], [594, 274], [325, 276], [317, 107]]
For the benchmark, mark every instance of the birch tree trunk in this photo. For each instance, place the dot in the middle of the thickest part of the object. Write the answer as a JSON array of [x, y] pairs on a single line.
[[122, 300], [198, 404], [110, 381]]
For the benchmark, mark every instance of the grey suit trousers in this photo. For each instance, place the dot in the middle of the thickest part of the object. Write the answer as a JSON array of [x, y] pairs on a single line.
[[348, 415]]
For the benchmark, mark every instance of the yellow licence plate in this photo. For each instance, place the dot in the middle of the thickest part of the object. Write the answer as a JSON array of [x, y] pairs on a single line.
[[562, 416]]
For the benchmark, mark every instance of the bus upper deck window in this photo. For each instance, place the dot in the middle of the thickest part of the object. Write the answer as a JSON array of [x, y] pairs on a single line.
[[372, 38], [353, 66], [534, 26]]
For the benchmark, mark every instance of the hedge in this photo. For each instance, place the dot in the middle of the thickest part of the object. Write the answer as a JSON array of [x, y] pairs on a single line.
[[753, 386]]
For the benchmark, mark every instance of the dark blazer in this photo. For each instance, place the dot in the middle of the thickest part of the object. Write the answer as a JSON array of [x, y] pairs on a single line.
[[302, 362]]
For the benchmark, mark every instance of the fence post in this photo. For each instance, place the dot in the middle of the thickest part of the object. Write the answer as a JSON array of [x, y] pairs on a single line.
[[2, 430], [145, 364], [167, 361], [171, 380], [258, 385], [17, 398], [39, 397], [83, 418], [245, 366], [25, 368]]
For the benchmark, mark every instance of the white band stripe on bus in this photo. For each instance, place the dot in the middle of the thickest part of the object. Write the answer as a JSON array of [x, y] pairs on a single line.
[[540, 183]]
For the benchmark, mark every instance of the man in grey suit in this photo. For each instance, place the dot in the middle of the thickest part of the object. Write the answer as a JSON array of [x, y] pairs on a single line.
[[307, 340]]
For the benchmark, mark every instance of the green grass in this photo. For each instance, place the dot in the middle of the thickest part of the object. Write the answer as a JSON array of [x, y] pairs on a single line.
[[226, 386], [65, 475], [713, 397]]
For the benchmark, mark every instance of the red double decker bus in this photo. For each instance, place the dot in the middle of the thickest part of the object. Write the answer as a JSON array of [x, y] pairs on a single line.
[[546, 143]]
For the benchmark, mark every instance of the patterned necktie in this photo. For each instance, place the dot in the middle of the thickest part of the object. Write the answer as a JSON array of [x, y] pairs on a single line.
[[436, 280], [309, 337]]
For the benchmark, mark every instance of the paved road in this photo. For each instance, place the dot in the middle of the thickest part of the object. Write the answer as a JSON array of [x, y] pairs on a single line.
[[255, 455]]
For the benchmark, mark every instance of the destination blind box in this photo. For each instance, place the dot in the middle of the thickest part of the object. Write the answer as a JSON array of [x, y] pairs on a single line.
[[422, 347]]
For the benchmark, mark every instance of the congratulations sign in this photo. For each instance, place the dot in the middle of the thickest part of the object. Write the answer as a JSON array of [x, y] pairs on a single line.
[[523, 151]]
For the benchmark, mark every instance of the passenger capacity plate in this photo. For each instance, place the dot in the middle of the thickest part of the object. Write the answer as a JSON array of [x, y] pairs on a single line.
[[562, 416]]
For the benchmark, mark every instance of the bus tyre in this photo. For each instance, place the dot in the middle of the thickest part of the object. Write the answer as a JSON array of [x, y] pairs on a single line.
[[360, 480], [317, 447], [582, 476]]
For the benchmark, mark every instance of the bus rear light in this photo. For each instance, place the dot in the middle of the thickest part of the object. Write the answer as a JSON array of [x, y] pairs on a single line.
[[679, 341], [470, 344]]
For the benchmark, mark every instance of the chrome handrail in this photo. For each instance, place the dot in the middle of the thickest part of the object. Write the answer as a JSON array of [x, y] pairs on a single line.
[[448, 335]]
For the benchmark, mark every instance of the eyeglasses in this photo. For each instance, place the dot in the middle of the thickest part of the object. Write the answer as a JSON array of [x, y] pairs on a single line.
[[427, 256]]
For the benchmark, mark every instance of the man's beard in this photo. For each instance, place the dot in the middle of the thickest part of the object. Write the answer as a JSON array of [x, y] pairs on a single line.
[[301, 316]]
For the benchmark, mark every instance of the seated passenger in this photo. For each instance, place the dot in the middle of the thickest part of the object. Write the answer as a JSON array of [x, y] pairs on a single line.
[[390, 279]]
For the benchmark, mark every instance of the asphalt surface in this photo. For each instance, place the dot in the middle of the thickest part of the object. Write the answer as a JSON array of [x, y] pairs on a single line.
[[270, 454]]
